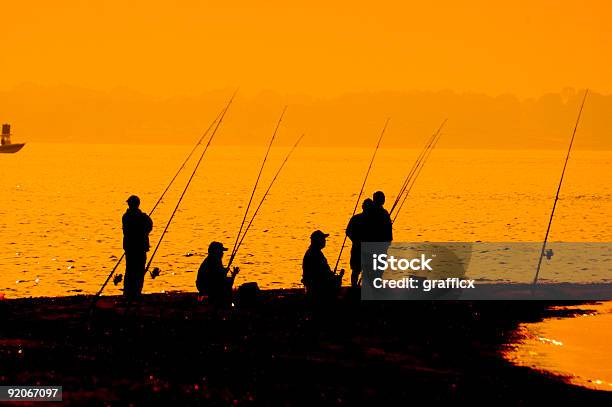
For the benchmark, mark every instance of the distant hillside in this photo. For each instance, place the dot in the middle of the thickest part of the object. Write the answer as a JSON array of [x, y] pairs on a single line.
[[70, 114]]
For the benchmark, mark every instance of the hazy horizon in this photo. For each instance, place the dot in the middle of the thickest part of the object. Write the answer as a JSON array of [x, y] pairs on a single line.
[[146, 72], [251, 92], [74, 114]]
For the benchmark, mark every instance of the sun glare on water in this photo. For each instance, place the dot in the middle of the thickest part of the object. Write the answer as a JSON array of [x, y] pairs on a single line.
[[577, 349]]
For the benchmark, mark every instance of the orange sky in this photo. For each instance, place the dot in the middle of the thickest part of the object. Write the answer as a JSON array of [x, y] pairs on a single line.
[[522, 47]]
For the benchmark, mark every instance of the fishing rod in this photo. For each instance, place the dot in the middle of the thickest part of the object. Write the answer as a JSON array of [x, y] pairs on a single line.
[[415, 165], [153, 275], [412, 182], [552, 213], [409, 176], [411, 173], [263, 163], [185, 162], [263, 199], [382, 133], [110, 275], [417, 172]]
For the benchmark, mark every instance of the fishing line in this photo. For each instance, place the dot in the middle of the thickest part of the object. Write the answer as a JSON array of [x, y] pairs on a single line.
[[159, 200], [417, 172], [410, 173], [382, 133], [416, 165], [246, 212], [552, 213], [189, 182], [263, 199]]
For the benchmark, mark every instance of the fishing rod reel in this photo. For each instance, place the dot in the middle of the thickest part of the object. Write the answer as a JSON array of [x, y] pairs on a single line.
[[118, 278], [548, 253], [155, 273]]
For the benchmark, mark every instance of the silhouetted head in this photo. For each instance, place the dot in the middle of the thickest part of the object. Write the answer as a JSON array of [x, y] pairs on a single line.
[[367, 204], [216, 249], [133, 202], [379, 198], [317, 239]]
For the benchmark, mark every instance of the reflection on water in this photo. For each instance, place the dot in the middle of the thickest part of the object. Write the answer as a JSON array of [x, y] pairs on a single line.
[[61, 207], [578, 348]]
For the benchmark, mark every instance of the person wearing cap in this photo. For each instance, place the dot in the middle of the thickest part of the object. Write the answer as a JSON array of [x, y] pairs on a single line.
[[318, 278], [136, 228], [358, 231], [212, 279]]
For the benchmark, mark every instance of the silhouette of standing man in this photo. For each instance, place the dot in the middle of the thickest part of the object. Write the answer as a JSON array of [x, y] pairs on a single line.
[[382, 227], [358, 231], [136, 228], [379, 231]]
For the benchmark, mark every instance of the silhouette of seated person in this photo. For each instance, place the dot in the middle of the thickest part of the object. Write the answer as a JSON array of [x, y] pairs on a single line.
[[136, 228], [358, 230], [213, 280], [318, 278]]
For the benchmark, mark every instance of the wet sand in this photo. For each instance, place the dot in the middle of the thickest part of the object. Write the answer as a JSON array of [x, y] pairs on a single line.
[[284, 351]]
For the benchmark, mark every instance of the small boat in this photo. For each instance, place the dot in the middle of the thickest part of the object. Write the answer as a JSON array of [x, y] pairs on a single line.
[[6, 146]]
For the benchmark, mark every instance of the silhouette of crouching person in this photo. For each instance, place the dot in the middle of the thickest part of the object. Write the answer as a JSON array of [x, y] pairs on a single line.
[[136, 228], [212, 279], [320, 281]]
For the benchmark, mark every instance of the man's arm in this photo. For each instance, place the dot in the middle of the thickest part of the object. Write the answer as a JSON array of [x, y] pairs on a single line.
[[350, 228], [148, 224], [307, 269], [325, 265], [388, 227]]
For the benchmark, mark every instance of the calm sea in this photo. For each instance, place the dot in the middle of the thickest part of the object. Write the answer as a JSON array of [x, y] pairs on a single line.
[[61, 207]]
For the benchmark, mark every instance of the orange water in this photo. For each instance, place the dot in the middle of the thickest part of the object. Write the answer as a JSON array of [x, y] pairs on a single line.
[[61, 207], [579, 348]]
